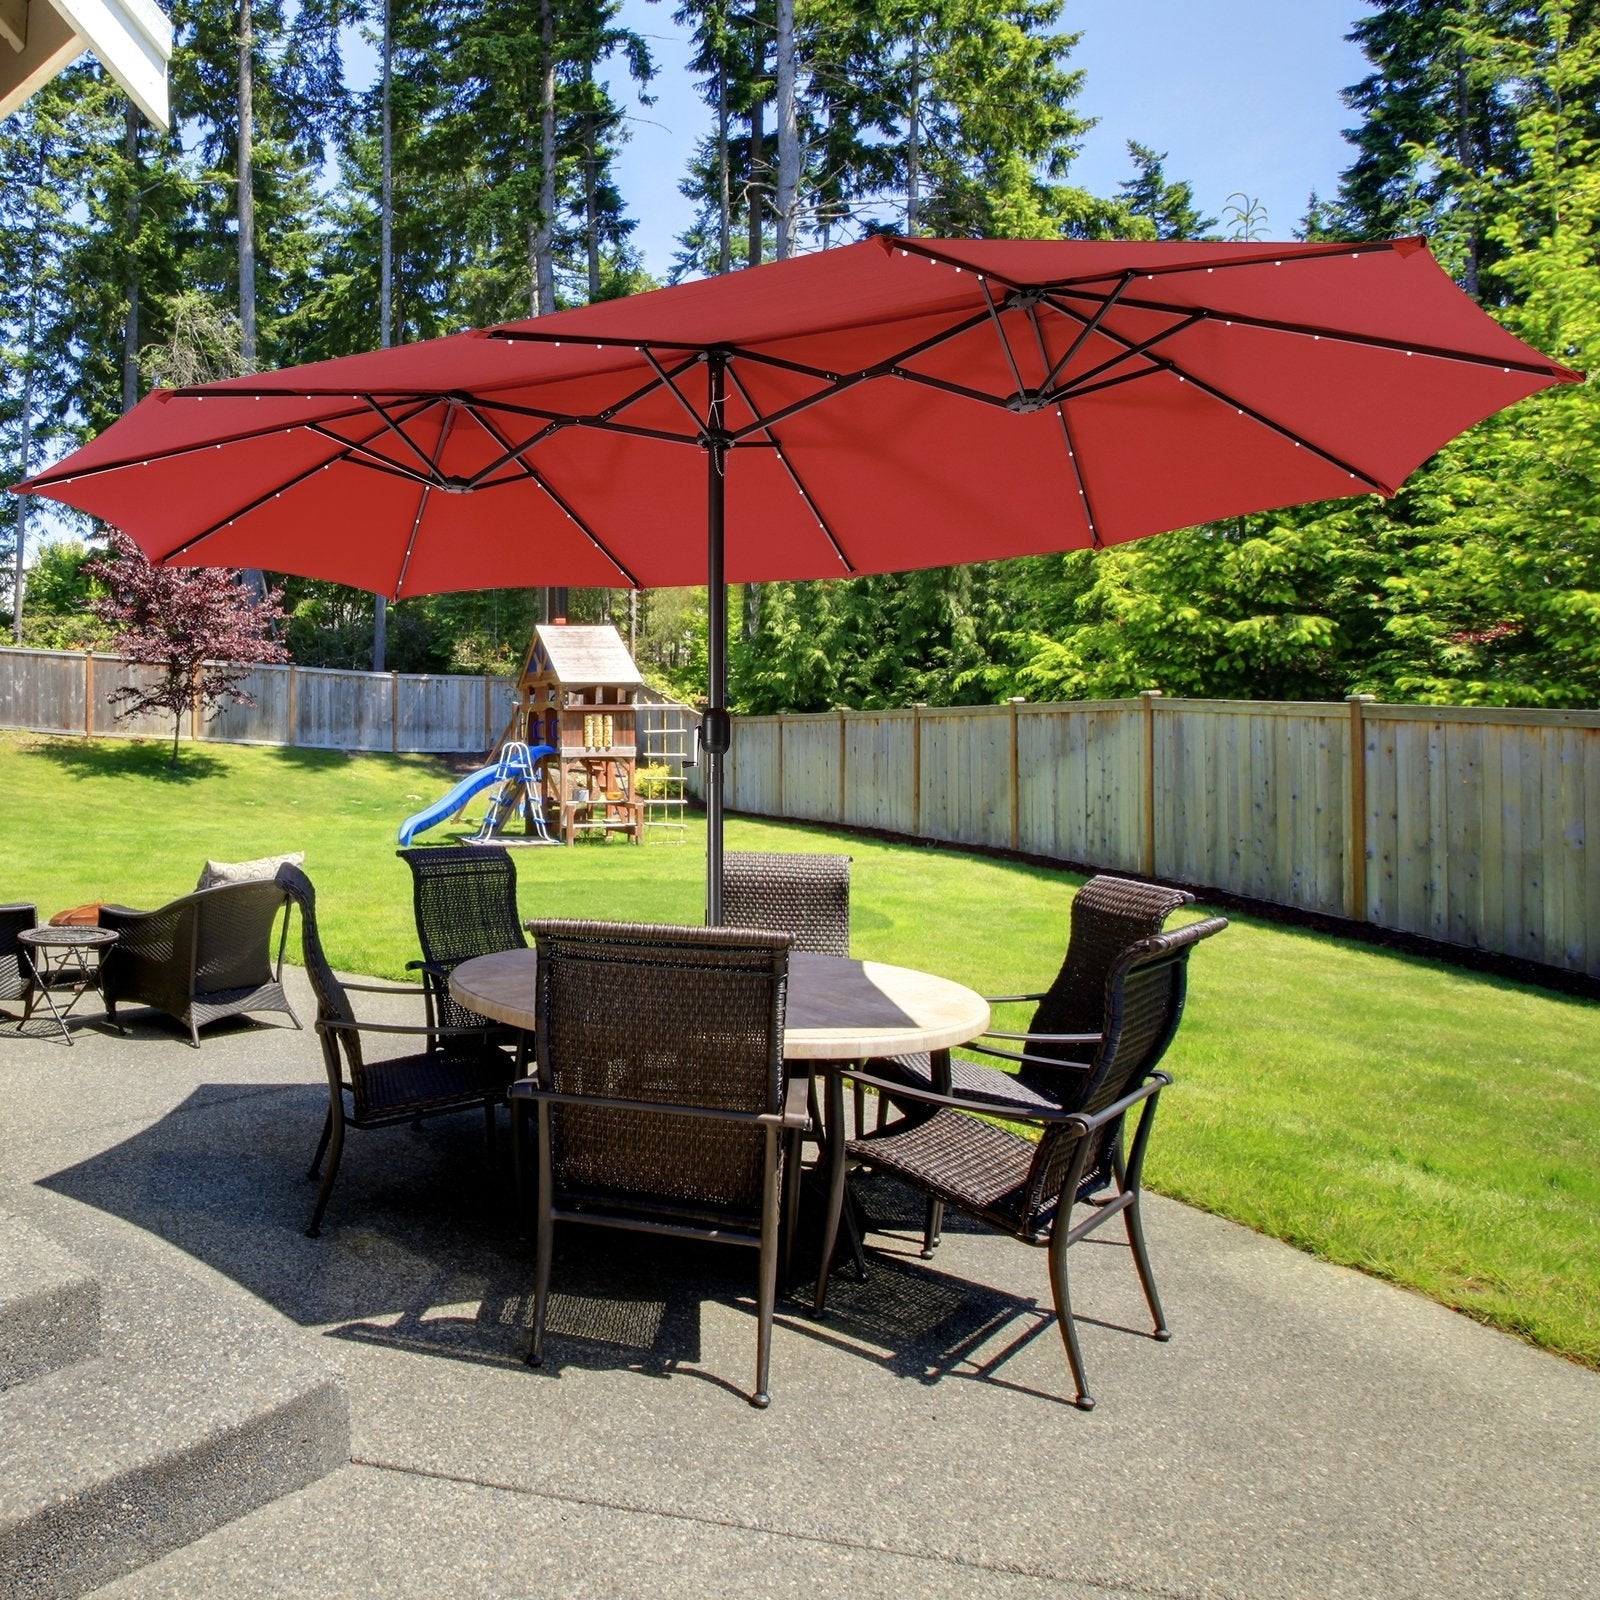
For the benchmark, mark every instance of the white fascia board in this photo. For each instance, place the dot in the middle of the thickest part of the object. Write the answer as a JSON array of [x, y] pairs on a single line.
[[131, 38]]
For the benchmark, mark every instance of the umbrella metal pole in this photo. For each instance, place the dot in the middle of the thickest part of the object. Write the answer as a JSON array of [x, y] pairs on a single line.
[[714, 727]]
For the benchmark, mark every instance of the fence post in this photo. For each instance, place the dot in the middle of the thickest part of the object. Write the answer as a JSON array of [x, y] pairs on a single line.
[[394, 713], [916, 768], [1147, 849], [294, 684], [488, 717], [1013, 775], [842, 745], [783, 801], [1355, 843], [88, 694]]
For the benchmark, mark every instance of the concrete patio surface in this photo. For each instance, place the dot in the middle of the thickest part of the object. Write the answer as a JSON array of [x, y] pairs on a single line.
[[1306, 1431]]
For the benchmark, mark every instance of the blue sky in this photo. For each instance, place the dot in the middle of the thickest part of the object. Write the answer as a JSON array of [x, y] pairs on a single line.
[[1243, 95]]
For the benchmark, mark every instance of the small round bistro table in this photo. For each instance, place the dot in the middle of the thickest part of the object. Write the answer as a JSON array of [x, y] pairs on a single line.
[[60, 958]]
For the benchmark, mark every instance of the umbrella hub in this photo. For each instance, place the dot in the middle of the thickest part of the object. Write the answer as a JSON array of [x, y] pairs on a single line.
[[1027, 400], [1023, 299], [454, 485]]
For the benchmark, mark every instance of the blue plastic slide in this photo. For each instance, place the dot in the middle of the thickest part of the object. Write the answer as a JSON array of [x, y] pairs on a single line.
[[516, 763], [452, 802]]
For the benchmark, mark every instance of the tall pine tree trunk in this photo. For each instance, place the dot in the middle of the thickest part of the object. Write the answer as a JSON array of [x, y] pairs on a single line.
[[914, 132], [247, 198], [757, 208], [1464, 155], [544, 235], [130, 326], [591, 200], [788, 134], [724, 195]]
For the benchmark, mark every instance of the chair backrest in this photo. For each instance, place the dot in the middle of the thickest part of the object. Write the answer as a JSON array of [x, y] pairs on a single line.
[[234, 924], [1144, 999], [14, 919], [333, 1004], [1108, 915], [670, 1015], [806, 896], [465, 900]]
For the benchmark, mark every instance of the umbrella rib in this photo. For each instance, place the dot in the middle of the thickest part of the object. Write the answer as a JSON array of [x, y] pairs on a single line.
[[514, 454], [1315, 332], [273, 494], [422, 499], [1084, 333], [665, 381], [1005, 343], [359, 455], [48, 479], [431, 467], [1129, 351], [794, 477], [1077, 473]]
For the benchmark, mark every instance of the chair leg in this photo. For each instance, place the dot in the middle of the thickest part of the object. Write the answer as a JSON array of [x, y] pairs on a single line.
[[335, 1151], [491, 1132], [836, 1173], [1141, 1259], [544, 1243], [767, 1288], [322, 1148], [932, 1228], [790, 1207], [1084, 1401]]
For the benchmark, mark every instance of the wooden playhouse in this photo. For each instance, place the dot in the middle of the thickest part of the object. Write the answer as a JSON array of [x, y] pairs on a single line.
[[577, 693]]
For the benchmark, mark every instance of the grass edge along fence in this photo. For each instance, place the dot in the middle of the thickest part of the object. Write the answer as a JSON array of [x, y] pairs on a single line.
[[1478, 827]]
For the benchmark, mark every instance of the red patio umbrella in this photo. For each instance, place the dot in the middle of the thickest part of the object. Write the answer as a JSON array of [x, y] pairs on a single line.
[[888, 405]]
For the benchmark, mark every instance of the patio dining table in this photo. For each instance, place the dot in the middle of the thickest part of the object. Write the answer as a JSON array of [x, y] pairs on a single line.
[[837, 1009]]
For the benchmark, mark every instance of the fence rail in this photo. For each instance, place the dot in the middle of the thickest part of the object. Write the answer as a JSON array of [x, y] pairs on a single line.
[[1477, 827], [47, 691]]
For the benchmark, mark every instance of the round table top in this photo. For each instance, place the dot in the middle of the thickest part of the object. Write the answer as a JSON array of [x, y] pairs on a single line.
[[67, 934], [837, 1009]]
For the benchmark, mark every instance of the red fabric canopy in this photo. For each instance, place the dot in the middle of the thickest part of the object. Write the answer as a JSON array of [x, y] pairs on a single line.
[[889, 405]]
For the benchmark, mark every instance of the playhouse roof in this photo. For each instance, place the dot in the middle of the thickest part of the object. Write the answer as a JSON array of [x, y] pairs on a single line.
[[582, 655]]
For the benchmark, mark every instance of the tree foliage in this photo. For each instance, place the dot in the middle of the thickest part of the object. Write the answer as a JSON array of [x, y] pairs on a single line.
[[202, 628]]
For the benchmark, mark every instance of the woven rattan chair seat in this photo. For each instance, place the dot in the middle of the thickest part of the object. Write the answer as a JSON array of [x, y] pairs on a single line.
[[971, 1164], [431, 1080]]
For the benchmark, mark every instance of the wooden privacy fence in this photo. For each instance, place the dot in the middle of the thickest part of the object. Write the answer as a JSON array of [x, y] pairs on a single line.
[[49, 691], [1477, 827]]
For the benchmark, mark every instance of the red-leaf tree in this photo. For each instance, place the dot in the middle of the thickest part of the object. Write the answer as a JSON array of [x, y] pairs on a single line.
[[202, 627]]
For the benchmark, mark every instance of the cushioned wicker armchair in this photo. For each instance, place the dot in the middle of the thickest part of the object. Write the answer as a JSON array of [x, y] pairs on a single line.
[[465, 900], [950, 1150], [14, 919], [663, 1105], [458, 1069], [201, 958]]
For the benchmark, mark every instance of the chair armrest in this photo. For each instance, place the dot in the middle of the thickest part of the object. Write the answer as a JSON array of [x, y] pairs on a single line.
[[1148, 1090], [797, 1102], [977, 1108], [1045, 1038], [529, 1089], [1011, 999], [386, 988], [1022, 1058], [416, 1029]]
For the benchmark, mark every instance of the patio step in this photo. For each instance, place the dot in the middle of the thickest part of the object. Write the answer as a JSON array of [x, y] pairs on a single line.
[[49, 1305], [198, 1407]]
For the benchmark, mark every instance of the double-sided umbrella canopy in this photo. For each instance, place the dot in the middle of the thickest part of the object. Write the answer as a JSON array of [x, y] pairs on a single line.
[[880, 407]]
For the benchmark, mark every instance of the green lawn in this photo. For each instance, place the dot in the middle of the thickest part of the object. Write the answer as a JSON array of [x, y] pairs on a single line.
[[1425, 1124]]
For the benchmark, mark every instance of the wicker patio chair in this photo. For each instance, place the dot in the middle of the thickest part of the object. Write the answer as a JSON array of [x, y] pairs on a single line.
[[200, 958], [807, 896], [1108, 914], [459, 1069], [465, 899], [663, 1104], [956, 1155], [14, 919]]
